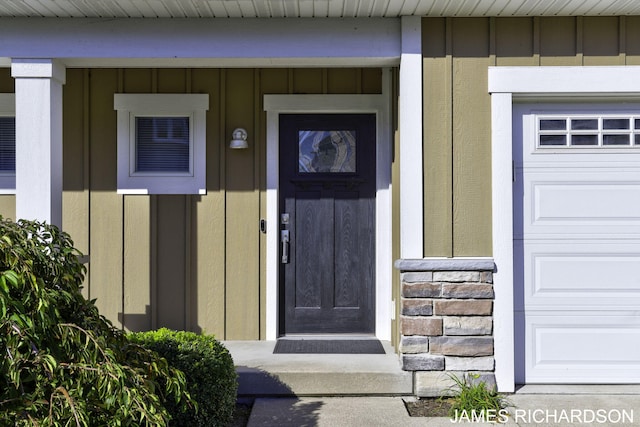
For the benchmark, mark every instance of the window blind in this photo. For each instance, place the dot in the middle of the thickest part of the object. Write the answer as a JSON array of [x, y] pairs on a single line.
[[7, 144], [162, 144]]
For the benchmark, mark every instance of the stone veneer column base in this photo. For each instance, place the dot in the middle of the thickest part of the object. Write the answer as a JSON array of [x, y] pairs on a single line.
[[446, 322]]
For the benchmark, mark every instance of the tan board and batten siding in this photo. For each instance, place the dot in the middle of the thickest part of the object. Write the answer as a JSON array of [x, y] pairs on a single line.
[[144, 249], [457, 107], [182, 261]]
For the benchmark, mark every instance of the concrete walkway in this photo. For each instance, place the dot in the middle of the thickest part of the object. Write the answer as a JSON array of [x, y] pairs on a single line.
[[530, 410], [367, 391]]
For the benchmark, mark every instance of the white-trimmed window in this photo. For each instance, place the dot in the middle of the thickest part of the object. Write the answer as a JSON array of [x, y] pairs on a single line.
[[588, 131], [161, 143], [7, 143]]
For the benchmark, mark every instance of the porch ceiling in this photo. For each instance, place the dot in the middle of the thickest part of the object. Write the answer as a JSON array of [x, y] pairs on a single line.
[[310, 8]]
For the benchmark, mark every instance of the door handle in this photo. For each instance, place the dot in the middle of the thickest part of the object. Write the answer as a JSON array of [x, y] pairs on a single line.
[[284, 238]]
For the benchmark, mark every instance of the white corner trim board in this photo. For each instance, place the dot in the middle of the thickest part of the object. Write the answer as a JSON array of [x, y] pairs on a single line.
[[410, 117], [506, 86]]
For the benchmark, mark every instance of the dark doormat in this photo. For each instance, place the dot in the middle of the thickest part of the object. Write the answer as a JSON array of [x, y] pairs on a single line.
[[293, 346]]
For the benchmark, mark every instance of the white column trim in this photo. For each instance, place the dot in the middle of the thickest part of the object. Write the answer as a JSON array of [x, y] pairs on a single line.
[[502, 207], [507, 84], [275, 105], [410, 125], [38, 84]]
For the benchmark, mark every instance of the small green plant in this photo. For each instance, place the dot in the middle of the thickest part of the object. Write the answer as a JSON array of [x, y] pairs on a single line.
[[475, 397], [209, 371], [62, 363]]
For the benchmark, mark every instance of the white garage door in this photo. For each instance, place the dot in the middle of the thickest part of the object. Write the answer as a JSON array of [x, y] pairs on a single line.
[[577, 242]]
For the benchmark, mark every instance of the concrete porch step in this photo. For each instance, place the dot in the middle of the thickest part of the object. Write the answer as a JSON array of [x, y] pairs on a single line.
[[262, 373]]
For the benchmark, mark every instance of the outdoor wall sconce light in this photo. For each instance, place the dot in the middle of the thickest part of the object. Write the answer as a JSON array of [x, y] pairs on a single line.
[[239, 139]]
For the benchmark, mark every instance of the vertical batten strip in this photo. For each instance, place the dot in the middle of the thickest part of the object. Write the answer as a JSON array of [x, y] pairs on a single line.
[[123, 231], [536, 40], [450, 123], [622, 37], [187, 261], [188, 230], [492, 41], [325, 81], [86, 117], [580, 40], [256, 140], [223, 188]]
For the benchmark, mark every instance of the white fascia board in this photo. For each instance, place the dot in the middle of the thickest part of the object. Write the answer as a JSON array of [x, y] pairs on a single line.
[[569, 80], [180, 40], [371, 62]]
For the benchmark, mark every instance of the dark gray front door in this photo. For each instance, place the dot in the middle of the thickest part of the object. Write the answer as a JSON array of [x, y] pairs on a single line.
[[327, 223]]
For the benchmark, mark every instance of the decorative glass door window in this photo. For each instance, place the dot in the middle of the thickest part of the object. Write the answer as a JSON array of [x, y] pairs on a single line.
[[588, 131], [327, 151]]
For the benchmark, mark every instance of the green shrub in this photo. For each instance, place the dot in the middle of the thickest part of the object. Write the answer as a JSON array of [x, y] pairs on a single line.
[[62, 363], [474, 396], [208, 368]]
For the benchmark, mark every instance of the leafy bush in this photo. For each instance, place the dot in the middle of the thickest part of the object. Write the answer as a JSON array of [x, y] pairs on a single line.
[[62, 363], [474, 396], [208, 368]]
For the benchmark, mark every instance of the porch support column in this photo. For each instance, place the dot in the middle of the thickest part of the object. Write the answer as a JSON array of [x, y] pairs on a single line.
[[410, 124], [38, 84]]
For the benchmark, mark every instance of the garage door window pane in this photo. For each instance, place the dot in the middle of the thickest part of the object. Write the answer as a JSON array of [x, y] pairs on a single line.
[[553, 140], [584, 139], [584, 124], [616, 140], [617, 124], [588, 131], [553, 124]]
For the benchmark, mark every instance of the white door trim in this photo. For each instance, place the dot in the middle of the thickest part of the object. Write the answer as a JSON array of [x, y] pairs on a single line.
[[505, 85], [275, 105]]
